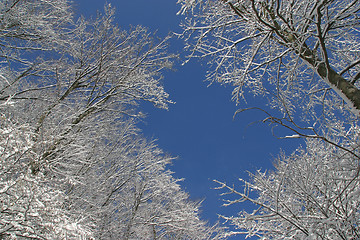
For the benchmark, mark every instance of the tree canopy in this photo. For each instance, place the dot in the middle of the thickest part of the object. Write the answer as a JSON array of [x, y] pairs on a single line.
[[302, 57], [73, 163]]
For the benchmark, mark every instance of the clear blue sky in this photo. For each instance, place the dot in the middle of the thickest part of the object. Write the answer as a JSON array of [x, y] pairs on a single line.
[[199, 128]]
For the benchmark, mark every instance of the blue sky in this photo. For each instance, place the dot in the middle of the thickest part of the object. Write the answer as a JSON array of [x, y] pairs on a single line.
[[199, 128]]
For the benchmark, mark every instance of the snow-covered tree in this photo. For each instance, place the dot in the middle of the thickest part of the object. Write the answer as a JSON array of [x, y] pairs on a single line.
[[311, 194], [73, 163], [30, 205], [302, 56], [128, 192]]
